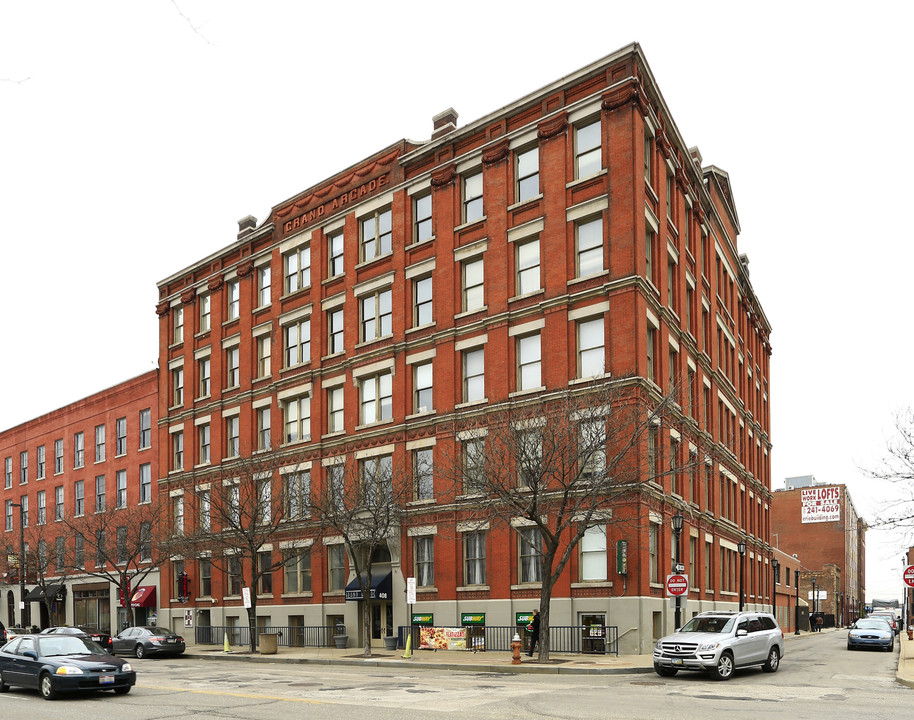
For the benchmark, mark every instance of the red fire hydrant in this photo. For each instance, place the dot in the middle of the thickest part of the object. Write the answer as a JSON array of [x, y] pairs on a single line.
[[515, 650]]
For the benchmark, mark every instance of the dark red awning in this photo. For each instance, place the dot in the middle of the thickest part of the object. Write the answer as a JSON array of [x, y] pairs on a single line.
[[144, 596]]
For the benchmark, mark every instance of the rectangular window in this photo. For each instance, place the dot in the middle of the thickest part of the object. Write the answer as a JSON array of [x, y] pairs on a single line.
[[422, 388], [298, 495], [376, 398], [264, 502], [234, 576], [297, 419], [472, 198], [474, 558], [335, 410], [177, 450], [58, 502], [653, 559], [530, 553], [121, 479], [528, 454], [203, 444], [60, 553], [591, 352], [206, 577], [177, 507], [42, 507], [648, 155], [145, 428], [101, 549], [204, 509], [474, 375], [473, 279], [377, 315], [8, 472], [473, 454], [121, 540], [593, 555], [336, 485], [335, 331], [651, 339], [377, 235], [425, 561], [78, 450], [527, 174], [177, 387], [377, 480], [422, 301], [263, 286], [529, 362], [120, 439], [423, 474], [297, 339], [264, 441], [336, 567], [9, 515], [79, 550], [649, 254], [58, 457], [527, 262], [335, 253], [177, 315], [203, 373], [145, 483], [587, 156], [79, 500], [298, 269], [100, 494], [232, 300], [24, 466], [592, 448], [24, 510], [263, 356], [232, 376], [40, 462], [297, 571], [589, 251], [422, 214], [203, 302], [232, 437]]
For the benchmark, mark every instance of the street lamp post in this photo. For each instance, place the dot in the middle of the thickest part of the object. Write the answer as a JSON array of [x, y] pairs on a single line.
[[677, 532], [796, 612], [741, 547], [774, 586], [22, 622], [815, 598]]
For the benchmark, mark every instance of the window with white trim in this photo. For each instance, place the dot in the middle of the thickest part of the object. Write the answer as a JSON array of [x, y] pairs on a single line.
[[297, 268], [376, 235], [472, 197], [529, 362], [377, 315], [376, 398], [587, 155], [588, 235]]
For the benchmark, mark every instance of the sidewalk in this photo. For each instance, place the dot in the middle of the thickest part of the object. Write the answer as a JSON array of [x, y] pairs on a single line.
[[493, 661]]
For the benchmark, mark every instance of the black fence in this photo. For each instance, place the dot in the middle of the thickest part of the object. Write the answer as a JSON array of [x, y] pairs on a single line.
[[286, 636], [576, 639]]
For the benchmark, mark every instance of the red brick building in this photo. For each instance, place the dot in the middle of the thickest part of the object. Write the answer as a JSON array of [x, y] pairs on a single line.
[[76, 461], [821, 524], [569, 236]]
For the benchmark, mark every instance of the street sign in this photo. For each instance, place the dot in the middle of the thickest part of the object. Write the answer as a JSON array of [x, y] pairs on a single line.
[[410, 591], [909, 576], [677, 585]]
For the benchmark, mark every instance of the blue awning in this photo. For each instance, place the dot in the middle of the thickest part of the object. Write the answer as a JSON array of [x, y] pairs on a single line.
[[380, 588]]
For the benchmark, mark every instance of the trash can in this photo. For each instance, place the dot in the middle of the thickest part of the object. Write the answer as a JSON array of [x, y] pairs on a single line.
[[267, 643]]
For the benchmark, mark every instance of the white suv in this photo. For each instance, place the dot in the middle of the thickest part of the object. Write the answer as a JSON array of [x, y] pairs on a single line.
[[721, 642]]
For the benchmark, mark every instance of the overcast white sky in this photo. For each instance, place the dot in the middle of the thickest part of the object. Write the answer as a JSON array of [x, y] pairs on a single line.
[[134, 135]]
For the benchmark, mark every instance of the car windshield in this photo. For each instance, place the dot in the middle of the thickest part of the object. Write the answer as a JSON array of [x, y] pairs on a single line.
[[51, 646], [873, 624], [708, 625]]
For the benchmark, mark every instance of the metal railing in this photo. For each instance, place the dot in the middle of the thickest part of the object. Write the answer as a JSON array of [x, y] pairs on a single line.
[[576, 639], [286, 636]]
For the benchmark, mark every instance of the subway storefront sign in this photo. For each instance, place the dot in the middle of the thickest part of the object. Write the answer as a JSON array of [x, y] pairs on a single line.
[[472, 619], [423, 619]]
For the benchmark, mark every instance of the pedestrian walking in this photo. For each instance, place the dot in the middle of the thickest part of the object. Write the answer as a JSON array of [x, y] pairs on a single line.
[[534, 628]]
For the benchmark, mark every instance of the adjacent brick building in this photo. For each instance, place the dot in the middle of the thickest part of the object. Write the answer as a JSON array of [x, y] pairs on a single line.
[[569, 237]]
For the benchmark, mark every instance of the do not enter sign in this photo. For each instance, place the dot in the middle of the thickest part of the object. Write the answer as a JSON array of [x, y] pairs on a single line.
[[677, 585], [909, 576]]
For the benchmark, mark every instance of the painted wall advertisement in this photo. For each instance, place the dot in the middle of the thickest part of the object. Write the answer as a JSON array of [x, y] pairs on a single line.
[[820, 504]]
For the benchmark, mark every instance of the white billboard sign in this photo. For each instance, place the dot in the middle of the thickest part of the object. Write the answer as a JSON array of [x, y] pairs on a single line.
[[820, 504]]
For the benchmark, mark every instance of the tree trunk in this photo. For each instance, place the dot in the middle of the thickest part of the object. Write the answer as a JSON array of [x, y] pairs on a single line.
[[366, 623], [252, 621]]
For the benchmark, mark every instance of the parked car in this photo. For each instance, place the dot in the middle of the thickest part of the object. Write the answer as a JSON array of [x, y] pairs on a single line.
[[890, 617], [146, 640], [97, 636], [14, 632], [55, 664], [871, 632], [721, 642]]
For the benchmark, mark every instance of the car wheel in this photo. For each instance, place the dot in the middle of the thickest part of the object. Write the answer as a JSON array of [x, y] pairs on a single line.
[[122, 690], [139, 651], [663, 671], [46, 687], [3, 686], [773, 661], [892, 647], [723, 670], [850, 647]]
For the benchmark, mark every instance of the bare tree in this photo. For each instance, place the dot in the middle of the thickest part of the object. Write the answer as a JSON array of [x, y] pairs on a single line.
[[897, 467], [239, 509], [49, 561], [556, 466], [364, 502], [117, 544]]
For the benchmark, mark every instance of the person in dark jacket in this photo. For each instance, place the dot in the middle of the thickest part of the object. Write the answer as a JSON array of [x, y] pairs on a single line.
[[534, 632]]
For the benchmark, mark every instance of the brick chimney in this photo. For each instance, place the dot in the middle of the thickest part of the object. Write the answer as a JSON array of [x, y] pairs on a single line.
[[443, 123]]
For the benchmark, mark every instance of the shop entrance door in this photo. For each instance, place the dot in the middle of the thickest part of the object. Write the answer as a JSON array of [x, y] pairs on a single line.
[[382, 622], [593, 640]]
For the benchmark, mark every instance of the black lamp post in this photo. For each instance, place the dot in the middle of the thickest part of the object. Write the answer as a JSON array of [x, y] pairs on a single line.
[[774, 587], [677, 532], [22, 621], [815, 598], [741, 547], [796, 613]]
